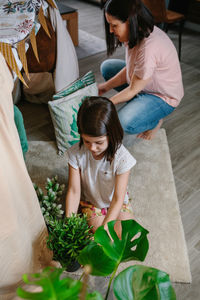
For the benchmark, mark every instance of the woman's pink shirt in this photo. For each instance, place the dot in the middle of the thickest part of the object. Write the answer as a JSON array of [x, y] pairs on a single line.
[[156, 58]]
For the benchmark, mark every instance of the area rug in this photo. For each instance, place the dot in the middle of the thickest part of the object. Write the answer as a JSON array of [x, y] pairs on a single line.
[[89, 45], [152, 188]]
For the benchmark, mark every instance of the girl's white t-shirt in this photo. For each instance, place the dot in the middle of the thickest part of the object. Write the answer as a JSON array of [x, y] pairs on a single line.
[[98, 176]]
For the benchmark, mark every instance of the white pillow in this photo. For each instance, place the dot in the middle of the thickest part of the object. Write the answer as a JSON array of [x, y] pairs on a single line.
[[64, 115]]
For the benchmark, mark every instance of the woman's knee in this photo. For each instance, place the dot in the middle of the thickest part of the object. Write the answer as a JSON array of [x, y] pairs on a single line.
[[127, 122], [135, 124], [110, 67]]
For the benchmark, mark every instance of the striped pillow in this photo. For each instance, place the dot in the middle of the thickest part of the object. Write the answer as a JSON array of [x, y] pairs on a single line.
[[86, 80]]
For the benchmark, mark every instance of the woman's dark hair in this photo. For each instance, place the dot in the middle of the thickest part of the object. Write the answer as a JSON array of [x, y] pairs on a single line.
[[97, 116], [140, 21]]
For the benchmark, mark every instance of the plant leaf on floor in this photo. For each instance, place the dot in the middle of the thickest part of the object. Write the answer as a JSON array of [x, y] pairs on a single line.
[[141, 282]]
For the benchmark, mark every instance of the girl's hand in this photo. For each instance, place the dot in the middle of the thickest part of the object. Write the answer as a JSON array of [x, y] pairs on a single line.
[[106, 227], [102, 88]]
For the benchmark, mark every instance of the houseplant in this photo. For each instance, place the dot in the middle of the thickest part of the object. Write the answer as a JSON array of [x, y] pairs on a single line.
[[54, 288], [49, 200], [136, 282], [67, 237], [112, 250]]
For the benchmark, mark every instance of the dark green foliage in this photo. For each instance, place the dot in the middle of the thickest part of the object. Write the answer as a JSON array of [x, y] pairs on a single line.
[[146, 283], [133, 245], [103, 266], [67, 237], [54, 288], [143, 283], [104, 254], [49, 201]]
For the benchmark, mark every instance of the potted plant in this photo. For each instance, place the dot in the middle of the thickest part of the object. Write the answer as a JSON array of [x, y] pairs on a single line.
[[136, 282], [54, 288], [67, 237], [49, 200]]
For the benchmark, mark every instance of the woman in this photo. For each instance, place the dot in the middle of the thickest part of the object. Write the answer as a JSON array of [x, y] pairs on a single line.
[[149, 82]]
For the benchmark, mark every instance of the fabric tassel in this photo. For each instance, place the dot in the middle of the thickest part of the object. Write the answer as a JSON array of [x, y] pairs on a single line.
[[34, 44], [51, 3], [42, 21], [22, 55], [6, 50]]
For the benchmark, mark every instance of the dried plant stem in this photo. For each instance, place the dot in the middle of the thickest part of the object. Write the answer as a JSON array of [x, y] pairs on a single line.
[[86, 272]]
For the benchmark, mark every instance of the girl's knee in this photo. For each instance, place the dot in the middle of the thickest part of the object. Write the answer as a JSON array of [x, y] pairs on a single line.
[[95, 222]]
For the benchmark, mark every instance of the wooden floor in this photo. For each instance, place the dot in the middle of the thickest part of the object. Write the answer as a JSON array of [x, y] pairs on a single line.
[[182, 128]]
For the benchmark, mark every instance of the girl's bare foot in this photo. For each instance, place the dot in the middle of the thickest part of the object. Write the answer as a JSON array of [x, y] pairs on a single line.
[[150, 134]]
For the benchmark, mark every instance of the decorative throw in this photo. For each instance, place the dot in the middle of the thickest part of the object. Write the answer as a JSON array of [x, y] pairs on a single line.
[[19, 24]]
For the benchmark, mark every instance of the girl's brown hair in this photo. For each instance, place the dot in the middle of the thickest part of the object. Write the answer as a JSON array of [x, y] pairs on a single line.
[[97, 116]]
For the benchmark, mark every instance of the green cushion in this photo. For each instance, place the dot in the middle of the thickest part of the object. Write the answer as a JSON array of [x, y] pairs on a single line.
[[19, 122], [64, 110]]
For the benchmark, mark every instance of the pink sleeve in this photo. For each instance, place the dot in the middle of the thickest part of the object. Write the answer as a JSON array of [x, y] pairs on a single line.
[[145, 62]]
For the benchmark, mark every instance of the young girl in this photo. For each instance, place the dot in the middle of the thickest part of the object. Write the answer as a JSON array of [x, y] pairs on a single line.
[[99, 166]]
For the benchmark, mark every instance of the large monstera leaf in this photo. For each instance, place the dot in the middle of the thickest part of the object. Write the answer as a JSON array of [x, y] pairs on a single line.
[[94, 296], [108, 251], [52, 287], [143, 283], [94, 256]]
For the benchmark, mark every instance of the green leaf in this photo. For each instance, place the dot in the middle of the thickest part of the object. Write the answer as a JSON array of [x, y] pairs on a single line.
[[133, 244], [53, 288], [143, 283], [112, 251], [94, 296], [64, 238], [94, 256]]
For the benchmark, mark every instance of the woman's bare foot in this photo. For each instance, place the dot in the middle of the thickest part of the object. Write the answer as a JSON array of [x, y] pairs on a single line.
[[150, 134]]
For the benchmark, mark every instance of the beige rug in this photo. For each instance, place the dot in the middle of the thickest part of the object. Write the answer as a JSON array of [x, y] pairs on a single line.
[[154, 196]]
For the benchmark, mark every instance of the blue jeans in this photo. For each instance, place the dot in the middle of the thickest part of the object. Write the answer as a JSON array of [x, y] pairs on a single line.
[[141, 113]]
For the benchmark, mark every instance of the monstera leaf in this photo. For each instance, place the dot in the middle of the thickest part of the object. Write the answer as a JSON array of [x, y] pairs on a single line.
[[94, 296], [94, 256], [143, 283], [108, 251], [54, 288]]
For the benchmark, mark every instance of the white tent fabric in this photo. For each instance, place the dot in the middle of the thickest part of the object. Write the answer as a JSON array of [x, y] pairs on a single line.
[[22, 228], [66, 70]]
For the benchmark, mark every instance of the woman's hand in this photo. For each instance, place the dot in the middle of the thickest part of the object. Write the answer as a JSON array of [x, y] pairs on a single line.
[[103, 88]]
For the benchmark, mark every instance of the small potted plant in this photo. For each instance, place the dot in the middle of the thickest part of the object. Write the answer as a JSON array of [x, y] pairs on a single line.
[[50, 199], [67, 237]]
